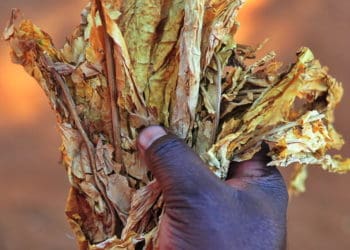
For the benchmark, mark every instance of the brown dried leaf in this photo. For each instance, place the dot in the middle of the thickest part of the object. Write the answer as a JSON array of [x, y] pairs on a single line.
[[135, 63]]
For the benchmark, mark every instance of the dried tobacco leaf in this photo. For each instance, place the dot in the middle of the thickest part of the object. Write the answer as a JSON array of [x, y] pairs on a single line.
[[131, 64]]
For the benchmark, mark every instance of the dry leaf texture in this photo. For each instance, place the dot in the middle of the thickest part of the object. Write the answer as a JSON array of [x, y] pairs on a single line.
[[131, 64]]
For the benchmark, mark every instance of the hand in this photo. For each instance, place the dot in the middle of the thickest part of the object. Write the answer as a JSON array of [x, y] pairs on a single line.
[[247, 211]]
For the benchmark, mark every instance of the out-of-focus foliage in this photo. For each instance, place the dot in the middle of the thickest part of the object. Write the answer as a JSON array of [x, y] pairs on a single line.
[[131, 64]]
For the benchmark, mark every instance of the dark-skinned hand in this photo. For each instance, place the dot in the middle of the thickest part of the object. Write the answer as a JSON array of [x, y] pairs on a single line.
[[247, 211]]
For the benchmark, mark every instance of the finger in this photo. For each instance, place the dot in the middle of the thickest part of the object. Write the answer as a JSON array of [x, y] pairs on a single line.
[[178, 169], [254, 175], [254, 168]]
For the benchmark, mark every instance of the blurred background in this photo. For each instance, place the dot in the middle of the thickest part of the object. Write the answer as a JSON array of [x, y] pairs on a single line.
[[33, 185]]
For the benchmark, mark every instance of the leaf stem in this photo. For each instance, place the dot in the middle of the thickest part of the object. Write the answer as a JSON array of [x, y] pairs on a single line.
[[112, 84], [218, 81]]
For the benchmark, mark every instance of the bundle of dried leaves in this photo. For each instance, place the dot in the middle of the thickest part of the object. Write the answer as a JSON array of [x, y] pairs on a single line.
[[134, 63]]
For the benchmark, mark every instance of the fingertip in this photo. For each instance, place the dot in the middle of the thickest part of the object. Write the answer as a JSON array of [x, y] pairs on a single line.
[[149, 135]]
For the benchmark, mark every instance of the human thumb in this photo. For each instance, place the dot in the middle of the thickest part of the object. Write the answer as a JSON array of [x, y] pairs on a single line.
[[178, 169]]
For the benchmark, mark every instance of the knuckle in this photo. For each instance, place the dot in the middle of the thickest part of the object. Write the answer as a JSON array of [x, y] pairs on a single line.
[[167, 146]]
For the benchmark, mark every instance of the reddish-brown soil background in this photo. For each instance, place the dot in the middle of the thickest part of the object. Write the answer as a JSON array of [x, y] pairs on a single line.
[[33, 185]]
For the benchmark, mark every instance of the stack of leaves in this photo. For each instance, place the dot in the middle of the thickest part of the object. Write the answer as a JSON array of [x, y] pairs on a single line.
[[130, 64]]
